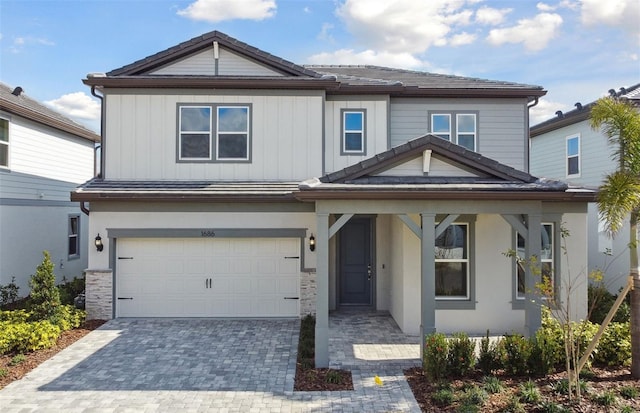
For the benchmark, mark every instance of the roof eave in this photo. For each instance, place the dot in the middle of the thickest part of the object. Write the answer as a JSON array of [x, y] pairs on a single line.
[[38, 117], [554, 124], [173, 197], [210, 82]]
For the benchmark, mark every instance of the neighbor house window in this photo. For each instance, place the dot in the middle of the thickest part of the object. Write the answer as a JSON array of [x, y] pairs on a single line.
[[459, 128], [573, 156], [214, 133], [4, 143], [452, 262], [353, 132], [74, 236], [546, 258]]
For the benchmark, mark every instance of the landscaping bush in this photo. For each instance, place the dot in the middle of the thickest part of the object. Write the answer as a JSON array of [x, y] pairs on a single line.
[[517, 350], [436, 350], [601, 301], [489, 358], [9, 293], [546, 353], [614, 347], [45, 298], [461, 357], [69, 317], [15, 316], [69, 290], [22, 337]]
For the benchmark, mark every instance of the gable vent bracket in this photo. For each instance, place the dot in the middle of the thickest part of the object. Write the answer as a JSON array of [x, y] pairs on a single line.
[[426, 161]]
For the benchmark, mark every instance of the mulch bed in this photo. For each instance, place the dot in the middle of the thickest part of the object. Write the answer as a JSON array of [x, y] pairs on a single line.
[[604, 379], [321, 380], [35, 358]]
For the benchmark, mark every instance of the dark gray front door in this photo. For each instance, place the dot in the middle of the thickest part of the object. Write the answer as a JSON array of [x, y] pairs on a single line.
[[355, 277]]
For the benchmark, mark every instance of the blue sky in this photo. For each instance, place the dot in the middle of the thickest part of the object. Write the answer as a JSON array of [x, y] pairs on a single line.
[[576, 49]]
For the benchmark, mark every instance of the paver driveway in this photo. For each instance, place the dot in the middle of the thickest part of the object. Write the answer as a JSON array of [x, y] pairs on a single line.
[[185, 365]]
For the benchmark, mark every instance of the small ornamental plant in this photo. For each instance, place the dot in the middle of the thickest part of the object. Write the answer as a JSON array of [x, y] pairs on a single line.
[[436, 351], [462, 356]]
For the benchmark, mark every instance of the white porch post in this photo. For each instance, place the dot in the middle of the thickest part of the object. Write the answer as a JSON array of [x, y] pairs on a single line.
[[533, 316], [322, 290], [428, 277]]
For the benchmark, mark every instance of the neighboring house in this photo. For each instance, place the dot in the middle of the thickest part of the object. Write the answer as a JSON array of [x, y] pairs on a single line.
[[567, 148], [43, 157], [238, 184]]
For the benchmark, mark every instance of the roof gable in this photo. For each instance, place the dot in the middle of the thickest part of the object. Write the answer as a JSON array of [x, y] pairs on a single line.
[[441, 160], [199, 44]]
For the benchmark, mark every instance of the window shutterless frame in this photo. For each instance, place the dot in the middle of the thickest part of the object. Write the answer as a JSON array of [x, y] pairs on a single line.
[[73, 235], [4, 143], [459, 127], [353, 139], [213, 133], [452, 263], [547, 261], [573, 155]]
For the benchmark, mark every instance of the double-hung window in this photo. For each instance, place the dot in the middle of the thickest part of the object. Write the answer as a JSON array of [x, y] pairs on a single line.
[[214, 133], [74, 236], [4, 143], [459, 128], [573, 156], [452, 262], [353, 132], [547, 258]]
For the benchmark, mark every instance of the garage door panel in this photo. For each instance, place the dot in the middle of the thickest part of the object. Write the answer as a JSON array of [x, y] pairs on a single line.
[[208, 277]]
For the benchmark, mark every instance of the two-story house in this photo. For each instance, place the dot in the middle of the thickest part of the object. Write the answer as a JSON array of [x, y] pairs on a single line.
[[567, 148], [43, 156], [238, 184]]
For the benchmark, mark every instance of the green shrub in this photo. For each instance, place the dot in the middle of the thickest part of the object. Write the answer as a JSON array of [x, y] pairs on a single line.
[[629, 392], [15, 316], [601, 301], [461, 357], [436, 350], [17, 359], [614, 347], [514, 406], [607, 398], [545, 354], [529, 392], [23, 337], [3, 372], [474, 395], [334, 377], [489, 355], [68, 317], [44, 296], [442, 397], [492, 384], [627, 409], [9, 293], [516, 351], [69, 290], [552, 407], [562, 386]]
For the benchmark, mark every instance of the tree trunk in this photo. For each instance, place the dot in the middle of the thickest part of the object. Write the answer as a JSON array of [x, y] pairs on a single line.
[[635, 295]]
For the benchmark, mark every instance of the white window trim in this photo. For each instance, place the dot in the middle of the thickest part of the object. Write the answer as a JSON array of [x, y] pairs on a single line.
[[475, 129], [464, 260], [453, 125], [7, 144], [567, 156], [246, 133], [448, 115], [344, 131], [180, 132]]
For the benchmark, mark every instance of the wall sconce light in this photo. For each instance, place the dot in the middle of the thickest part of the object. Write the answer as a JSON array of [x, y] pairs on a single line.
[[99, 244], [312, 243]]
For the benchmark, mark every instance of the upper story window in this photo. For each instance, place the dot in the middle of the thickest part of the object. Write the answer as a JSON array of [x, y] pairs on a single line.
[[74, 236], [353, 132], [547, 260], [4, 143], [214, 133], [459, 128], [452, 262], [573, 155]]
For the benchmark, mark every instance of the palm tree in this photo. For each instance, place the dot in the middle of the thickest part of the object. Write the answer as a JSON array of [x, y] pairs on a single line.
[[619, 195]]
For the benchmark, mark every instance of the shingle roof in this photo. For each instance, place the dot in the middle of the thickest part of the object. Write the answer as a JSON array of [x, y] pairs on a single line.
[[581, 112], [204, 41], [22, 105], [99, 189]]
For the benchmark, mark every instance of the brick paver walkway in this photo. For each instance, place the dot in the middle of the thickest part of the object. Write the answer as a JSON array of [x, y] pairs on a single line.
[[205, 365]]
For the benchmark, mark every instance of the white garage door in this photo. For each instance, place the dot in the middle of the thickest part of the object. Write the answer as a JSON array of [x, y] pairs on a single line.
[[221, 277]]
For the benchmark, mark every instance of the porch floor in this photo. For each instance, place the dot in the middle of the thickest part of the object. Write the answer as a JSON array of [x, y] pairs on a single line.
[[360, 339]]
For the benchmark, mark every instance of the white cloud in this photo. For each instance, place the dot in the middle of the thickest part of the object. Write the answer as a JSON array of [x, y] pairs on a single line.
[[491, 16], [462, 39], [307, 10], [219, 10], [534, 33], [76, 105], [615, 13], [545, 7], [404, 26], [20, 42], [367, 57], [324, 32], [545, 110]]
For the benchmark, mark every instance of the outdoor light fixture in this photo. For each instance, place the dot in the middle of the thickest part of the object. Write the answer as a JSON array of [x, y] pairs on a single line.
[[312, 243], [99, 245]]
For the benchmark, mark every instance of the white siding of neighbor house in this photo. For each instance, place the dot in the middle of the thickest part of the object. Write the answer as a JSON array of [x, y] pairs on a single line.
[[375, 129], [141, 136], [45, 152], [502, 134], [203, 63]]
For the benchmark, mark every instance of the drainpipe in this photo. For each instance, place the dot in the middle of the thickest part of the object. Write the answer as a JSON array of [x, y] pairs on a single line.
[[102, 134], [535, 102], [83, 208]]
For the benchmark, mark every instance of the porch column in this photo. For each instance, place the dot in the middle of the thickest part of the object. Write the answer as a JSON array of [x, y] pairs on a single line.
[[533, 316], [428, 277], [322, 290]]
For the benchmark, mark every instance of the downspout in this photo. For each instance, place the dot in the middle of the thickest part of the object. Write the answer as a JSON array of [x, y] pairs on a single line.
[[102, 134], [535, 102], [83, 208]]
